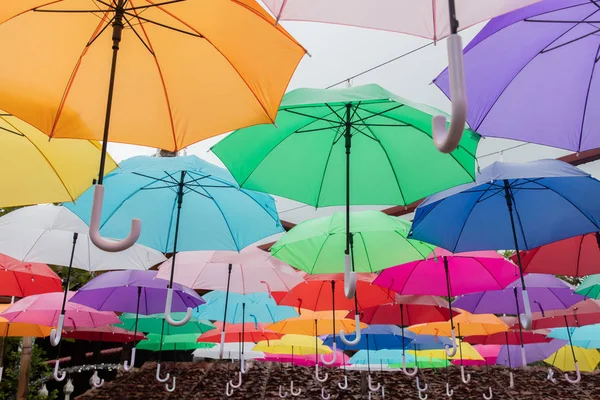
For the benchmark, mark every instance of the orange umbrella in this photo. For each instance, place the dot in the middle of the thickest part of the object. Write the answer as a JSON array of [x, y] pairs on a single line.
[[315, 323], [467, 325], [20, 329]]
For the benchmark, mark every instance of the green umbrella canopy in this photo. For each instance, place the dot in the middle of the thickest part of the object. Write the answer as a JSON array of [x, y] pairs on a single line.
[[423, 363], [186, 341], [590, 287], [154, 324], [303, 156], [317, 245]]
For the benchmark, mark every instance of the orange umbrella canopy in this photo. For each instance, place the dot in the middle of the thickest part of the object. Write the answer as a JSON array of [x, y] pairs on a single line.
[[315, 323], [467, 324], [185, 71]]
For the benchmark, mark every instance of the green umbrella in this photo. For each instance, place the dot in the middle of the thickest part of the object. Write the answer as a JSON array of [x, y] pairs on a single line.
[[590, 287], [154, 323], [186, 341], [424, 363], [305, 155]]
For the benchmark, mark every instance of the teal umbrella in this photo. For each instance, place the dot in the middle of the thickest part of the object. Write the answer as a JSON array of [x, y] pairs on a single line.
[[587, 336]]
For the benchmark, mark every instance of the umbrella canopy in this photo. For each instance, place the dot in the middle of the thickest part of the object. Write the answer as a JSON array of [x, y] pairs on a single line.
[[22, 279], [468, 353], [303, 155], [315, 323], [575, 256], [230, 351], [406, 311], [215, 213], [186, 341], [252, 270], [546, 292], [104, 334], [248, 332], [45, 309], [587, 359], [44, 233], [317, 246], [307, 360], [468, 325], [18, 329], [34, 170], [430, 342], [467, 273], [512, 337], [423, 360], [377, 337], [293, 344], [489, 353], [590, 287], [510, 355], [511, 88], [154, 324], [134, 291], [246, 63], [378, 357], [585, 336]]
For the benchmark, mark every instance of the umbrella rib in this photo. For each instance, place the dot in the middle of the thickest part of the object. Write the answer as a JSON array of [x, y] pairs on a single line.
[[316, 119], [462, 228], [587, 95], [362, 239], [335, 140]]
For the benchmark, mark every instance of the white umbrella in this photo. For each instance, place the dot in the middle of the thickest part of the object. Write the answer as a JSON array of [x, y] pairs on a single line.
[[230, 351]]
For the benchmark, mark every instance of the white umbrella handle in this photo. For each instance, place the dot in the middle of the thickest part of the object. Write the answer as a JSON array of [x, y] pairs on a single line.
[[1, 372], [466, 379], [451, 351], [490, 395], [56, 333], [294, 392], [333, 359], [523, 357], [449, 392], [59, 377], [526, 319], [349, 277], [344, 385], [323, 395], [317, 377], [128, 365], [371, 387], [158, 378], [405, 370], [112, 246], [239, 382], [419, 388], [422, 395], [357, 334], [228, 390], [447, 140], [550, 375], [383, 392], [282, 395], [222, 342], [96, 381], [577, 376], [512, 380], [170, 320], [172, 388]]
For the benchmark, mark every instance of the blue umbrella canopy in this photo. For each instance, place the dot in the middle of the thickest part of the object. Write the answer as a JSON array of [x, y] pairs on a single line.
[[376, 337], [380, 357], [587, 336], [215, 213], [429, 342]]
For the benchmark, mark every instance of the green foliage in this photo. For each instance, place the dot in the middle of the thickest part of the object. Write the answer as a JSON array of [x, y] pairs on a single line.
[[79, 277]]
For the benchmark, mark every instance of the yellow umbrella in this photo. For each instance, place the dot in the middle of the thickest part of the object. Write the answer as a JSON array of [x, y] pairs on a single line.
[[467, 325], [315, 323], [18, 329], [293, 344], [468, 353], [574, 358], [36, 170]]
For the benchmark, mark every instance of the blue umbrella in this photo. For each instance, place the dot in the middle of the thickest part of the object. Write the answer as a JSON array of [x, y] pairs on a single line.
[[587, 336], [430, 342], [511, 206], [379, 337], [185, 204]]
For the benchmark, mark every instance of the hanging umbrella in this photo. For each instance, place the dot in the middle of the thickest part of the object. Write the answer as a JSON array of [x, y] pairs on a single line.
[[407, 310], [305, 323], [512, 88], [153, 324], [231, 351], [104, 334], [509, 338], [429, 342], [22, 279], [510, 355], [571, 358], [186, 341], [34, 170], [583, 336], [511, 206], [590, 287], [423, 361], [307, 360], [469, 353], [293, 344], [235, 333], [489, 353], [380, 337]]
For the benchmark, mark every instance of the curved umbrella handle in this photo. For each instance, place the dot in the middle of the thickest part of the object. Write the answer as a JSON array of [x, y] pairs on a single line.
[[158, 378], [55, 334], [170, 320], [294, 392], [577, 376], [96, 381], [58, 377], [112, 246], [550, 375], [268, 288], [239, 382], [419, 388], [523, 357], [323, 395], [405, 370], [526, 319], [172, 388], [333, 359], [451, 351], [447, 140], [222, 344], [228, 390], [344, 385], [512, 380], [371, 387], [357, 334], [349, 277], [449, 392], [128, 365], [282, 395], [317, 377], [466, 379], [422, 395], [489, 396]]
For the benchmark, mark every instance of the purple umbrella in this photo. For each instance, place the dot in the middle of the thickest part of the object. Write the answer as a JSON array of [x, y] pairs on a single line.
[[530, 75], [509, 355], [134, 291]]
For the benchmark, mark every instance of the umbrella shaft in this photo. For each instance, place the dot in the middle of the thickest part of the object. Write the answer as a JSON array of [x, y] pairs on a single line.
[[178, 218], [348, 142], [453, 21], [509, 204], [68, 282]]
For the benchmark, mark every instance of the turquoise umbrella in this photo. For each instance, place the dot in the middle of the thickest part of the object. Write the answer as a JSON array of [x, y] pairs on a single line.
[[587, 336]]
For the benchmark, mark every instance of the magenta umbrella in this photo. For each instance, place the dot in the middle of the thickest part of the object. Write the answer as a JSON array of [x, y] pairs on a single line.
[[447, 274]]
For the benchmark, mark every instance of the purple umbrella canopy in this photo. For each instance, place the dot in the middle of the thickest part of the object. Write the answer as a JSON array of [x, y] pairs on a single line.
[[546, 292], [118, 291], [530, 75], [533, 352]]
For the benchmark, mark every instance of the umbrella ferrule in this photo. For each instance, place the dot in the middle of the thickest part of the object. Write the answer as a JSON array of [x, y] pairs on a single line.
[[118, 25]]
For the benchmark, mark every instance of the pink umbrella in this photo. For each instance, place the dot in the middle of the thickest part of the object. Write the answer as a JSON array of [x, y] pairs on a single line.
[[488, 351], [305, 360]]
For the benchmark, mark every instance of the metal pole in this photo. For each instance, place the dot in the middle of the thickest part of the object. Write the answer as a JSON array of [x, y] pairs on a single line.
[[68, 282], [509, 204]]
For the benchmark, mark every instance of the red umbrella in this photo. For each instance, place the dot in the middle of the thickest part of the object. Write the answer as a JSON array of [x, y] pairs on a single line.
[[107, 333], [509, 338], [234, 333], [585, 312], [576, 256], [22, 279]]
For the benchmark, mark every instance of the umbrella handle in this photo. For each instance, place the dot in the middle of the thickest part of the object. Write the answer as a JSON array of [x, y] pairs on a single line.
[[128, 365], [58, 377], [158, 378], [512, 380], [333, 360], [422, 395], [466, 379], [349, 277], [523, 357], [451, 351], [449, 392], [222, 343], [371, 387], [526, 319], [96, 381], [447, 140], [357, 333], [170, 320], [490, 395], [383, 392], [282, 395], [268, 288], [550, 375], [317, 377], [239, 382], [172, 388], [243, 366], [405, 370], [1, 372], [56, 333], [323, 395], [419, 388], [228, 390], [344, 385], [294, 392], [577, 376], [112, 246]]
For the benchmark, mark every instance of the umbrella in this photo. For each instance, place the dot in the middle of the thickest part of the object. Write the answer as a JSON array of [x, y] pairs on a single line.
[[379, 337], [469, 353], [187, 204], [489, 353], [583, 336], [576, 256], [153, 324], [512, 88], [235, 333], [538, 196], [186, 341], [22, 279], [509, 338], [469, 324], [407, 310], [315, 323], [307, 360], [509, 355], [429, 342], [423, 361], [35, 170], [590, 287], [293, 345], [104, 334], [378, 129], [231, 351], [579, 359]]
